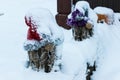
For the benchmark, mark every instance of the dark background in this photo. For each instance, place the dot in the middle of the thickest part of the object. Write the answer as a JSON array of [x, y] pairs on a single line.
[[113, 4]]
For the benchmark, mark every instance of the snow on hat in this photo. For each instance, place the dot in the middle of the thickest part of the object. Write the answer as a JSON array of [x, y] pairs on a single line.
[[105, 11], [32, 31], [39, 19], [82, 6]]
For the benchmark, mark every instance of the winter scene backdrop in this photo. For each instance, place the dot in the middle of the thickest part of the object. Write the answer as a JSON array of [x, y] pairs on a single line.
[[103, 47]]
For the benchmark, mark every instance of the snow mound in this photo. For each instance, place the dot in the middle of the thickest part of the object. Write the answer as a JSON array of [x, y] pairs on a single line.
[[103, 10]]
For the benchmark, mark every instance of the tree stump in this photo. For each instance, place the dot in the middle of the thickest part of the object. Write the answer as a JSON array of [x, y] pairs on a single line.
[[80, 33], [43, 58]]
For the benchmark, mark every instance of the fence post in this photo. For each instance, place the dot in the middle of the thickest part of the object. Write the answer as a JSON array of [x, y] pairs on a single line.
[[63, 9]]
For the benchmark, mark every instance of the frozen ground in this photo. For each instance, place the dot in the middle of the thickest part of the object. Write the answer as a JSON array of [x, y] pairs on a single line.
[[12, 55]]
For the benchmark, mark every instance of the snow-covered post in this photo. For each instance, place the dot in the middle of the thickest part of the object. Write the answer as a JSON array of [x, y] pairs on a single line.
[[80, 22], [63, 9], [43, 38]]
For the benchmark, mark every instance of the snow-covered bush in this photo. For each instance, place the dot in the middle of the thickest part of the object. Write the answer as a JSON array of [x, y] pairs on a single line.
[[43, 33], [105, 14]]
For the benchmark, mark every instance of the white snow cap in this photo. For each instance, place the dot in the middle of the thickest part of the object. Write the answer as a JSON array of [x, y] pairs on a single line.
[[103, 10], [82, 6], [41, 18], [106, 11], [46, 24]]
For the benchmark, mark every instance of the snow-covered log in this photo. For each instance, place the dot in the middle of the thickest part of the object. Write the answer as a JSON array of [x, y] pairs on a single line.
[[43, 38]]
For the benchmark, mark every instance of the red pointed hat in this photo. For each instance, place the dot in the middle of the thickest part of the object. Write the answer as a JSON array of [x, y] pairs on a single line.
[[32, 31]]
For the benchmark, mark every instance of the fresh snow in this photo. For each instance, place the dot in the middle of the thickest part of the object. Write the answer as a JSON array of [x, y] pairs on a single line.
[[108, 62], [104, 46]]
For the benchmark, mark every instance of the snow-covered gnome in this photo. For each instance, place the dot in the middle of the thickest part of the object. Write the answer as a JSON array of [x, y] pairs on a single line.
[[105, 15], [81, 22], [44, 38]]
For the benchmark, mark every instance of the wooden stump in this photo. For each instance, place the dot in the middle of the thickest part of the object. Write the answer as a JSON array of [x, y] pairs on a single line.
[[80, 33], [43, 58]]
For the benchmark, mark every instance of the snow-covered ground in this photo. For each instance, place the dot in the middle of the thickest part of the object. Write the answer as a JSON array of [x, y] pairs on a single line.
[[108, 63], [104, 44]]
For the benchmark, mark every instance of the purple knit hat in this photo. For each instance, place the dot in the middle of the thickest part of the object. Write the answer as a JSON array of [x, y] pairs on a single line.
[[77, 19]]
